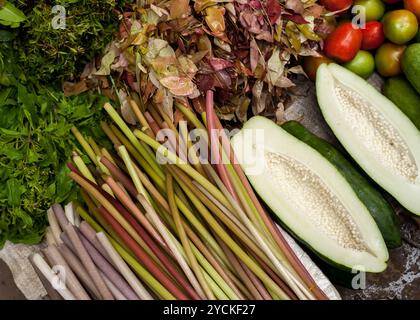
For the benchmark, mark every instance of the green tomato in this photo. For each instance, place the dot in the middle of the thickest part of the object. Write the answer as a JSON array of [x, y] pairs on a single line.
[[363, 64], [388, 59], [400, 26], [373, 9]]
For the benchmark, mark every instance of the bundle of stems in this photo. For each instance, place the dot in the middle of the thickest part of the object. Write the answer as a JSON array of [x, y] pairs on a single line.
[[81, 263], [189, 225]]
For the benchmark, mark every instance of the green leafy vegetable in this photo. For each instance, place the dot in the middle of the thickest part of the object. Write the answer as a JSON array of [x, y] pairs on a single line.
[[10, 15], [51, 55], [35, 143]]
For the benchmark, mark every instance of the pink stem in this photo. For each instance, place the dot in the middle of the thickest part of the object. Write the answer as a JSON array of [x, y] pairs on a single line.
[[214, 145]]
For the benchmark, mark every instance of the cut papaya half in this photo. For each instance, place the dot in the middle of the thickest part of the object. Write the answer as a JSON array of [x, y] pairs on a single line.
[[309, 196], [374, 131], [383, 214]]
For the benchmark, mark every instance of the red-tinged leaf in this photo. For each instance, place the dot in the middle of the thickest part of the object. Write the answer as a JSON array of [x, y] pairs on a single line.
[[178, 86], [181, 45], [273, 10], [205, 82], [265, 35], [199, 105], [123, 30], [219, 64], [222, 79], [242, 69], [250, 21], [296, 18], [254, 55], [131, 81], [255, 4], [148, 90]]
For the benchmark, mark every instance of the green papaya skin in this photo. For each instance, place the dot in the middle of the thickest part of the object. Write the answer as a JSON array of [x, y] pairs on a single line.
[[378, 207], [410, 65], [400, 91]]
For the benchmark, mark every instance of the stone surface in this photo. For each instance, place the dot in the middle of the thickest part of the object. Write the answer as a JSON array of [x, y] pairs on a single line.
[[16, 257], [401, 280], [8, 289]]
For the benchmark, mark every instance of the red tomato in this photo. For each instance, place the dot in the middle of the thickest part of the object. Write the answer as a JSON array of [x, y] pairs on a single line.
[[343, 43], [413, 6], [336, 5], [311, 65], [373, 35]]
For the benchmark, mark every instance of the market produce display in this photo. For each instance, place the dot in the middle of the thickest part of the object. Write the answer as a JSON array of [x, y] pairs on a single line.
[[374, 30], [114, 147], [204, 220]]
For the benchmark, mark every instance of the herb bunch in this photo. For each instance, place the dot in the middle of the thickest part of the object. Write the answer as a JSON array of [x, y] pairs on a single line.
[[51, 55], [35, 142]]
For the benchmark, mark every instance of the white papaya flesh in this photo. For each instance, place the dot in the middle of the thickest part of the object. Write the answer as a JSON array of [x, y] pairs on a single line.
[[309, 196], [374, 131]]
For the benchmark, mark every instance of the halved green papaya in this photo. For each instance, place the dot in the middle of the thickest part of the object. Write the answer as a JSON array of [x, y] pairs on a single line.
[[379, 208], [374, 131], [310, 196]]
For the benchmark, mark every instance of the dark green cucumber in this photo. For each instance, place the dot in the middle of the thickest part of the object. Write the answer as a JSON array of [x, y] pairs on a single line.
[[410, 64], [378, 207], [400, 91]]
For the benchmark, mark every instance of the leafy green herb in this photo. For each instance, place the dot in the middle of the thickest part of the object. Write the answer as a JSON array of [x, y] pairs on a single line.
[[35, 143], [50, 55], [10, 15]]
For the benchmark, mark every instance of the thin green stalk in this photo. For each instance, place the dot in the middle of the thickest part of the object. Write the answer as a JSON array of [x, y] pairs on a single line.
[[184, 239], [214, 209], [109, 207], [169, 239], [187, 211], [190, 116], [131, 170], [233, 245], [163, 204], [216, 289], [136, 155], [85, 145], [129, 134], [94, 212], [94, 146], [80, 164], [214, 274], [184, 166]]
